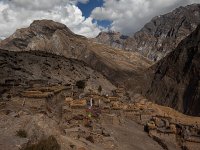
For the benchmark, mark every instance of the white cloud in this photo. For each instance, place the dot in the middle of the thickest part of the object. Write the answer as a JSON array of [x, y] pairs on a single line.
[[20, 13], [128, 16], [83, 1], [41, 4]]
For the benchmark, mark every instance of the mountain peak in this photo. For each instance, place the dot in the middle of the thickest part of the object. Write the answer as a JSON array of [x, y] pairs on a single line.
[[47, 26], [159, 36], [45, 35], [163, 33], [111, 38]]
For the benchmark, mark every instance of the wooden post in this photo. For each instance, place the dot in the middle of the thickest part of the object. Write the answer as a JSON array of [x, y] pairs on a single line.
[[90, 102], [99, 102], [72, 94], [23, 102], [72, 87]]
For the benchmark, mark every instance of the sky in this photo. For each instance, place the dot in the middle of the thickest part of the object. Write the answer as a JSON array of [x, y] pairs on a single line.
[[85, 17]]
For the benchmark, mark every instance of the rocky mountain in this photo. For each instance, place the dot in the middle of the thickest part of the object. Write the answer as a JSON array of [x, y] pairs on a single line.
[[48, 36], [176, 78], [111, 38], [56, 38], [163, 33], [159, 36], [58, 89]]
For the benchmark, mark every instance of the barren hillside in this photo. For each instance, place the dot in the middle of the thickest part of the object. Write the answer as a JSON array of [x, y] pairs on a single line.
[[56, 38]]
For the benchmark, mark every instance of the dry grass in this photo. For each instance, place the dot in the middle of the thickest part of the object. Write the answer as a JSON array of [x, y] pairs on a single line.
[[55, 89], [175, 115], [42, 92], [167, 112], [113, 99], [120, 59], [36, 94], [78, 103]]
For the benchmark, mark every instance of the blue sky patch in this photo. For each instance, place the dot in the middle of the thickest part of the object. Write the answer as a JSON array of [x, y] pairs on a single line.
[[88, 7]]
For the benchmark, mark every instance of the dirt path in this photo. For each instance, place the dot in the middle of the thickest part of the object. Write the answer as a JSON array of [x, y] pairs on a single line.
[[131, 136]]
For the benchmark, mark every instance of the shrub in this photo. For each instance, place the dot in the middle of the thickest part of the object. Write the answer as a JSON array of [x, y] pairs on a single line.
[[146, 129], [21, 133], [80, 84], [46, 144], [73, 146], [90, 138], [99, 89]]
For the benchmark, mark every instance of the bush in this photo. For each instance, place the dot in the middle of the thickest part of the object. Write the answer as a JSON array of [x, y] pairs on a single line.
[[21, 133], [146, 129], [99, 89], [47, 144], [80, 84], [90, 138]]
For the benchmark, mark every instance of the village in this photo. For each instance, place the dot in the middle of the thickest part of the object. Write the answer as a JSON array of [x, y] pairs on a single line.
[[84, 116]]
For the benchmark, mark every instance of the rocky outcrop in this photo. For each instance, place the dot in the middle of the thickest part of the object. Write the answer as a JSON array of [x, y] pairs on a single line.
[[176, 78], [56, 38], [163, 33], [111, 38]]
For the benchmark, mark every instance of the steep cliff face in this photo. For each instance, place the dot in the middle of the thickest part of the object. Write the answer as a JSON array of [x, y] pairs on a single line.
[[56, 38], [158, 37], [111, 38], [163, 33], [176, 78]]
